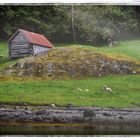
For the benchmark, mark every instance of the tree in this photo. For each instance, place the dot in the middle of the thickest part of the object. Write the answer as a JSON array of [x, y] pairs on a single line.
[[72, 21]]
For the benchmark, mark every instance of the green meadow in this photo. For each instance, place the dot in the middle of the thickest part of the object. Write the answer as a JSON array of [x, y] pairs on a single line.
[[125, 89], [125, 92]]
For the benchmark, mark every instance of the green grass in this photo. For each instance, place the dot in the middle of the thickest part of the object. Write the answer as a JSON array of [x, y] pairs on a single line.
[[126, 92], [4, 58], [126, 89], [128, 49], [3, 49]]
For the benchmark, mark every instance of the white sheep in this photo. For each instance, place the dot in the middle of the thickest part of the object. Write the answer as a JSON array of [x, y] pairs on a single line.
[[87, 90], [79, 89], [107, 89]]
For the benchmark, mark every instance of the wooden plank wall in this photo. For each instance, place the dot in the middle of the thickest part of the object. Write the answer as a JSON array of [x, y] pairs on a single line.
[[39, 49], [19, 46], [19, 38], [19, 50]]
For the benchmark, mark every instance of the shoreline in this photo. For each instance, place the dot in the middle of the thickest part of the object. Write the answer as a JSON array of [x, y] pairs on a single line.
[[71, 115]]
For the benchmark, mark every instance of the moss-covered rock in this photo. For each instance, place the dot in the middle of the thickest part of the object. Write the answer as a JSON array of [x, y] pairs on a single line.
[[63, 63]]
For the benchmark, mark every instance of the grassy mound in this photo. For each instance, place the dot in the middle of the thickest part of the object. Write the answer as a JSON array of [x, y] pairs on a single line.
[[63, 63], [127, 50], [124, 50]]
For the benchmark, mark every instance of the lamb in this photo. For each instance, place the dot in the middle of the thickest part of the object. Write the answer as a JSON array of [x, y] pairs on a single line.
[[107, 89], [79, 89], [87, 90]]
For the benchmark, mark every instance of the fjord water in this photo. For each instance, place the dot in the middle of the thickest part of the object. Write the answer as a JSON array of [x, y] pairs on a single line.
[[45, 129]]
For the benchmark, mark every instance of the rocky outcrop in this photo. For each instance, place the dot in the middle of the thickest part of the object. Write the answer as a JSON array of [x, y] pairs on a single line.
[[61, 63]]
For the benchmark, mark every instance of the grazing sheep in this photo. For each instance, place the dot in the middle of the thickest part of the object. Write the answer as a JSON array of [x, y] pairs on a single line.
[[107, 89], [79, 89], [87, 90]]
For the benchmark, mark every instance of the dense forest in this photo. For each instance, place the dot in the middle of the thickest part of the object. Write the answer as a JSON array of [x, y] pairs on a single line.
[[72, 23]]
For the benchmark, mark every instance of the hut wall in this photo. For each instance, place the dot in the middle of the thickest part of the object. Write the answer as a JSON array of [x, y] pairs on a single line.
[[19, 38], [39, 49], [18, 46]]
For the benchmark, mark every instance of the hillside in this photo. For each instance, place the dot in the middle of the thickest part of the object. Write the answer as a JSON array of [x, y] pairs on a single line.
[[37, 90], [125, 50], [73, 62]]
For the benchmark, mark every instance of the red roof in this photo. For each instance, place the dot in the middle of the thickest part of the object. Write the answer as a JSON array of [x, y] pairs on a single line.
[[37, 39]]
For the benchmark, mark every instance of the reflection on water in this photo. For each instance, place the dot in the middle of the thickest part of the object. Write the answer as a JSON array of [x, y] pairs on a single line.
[[35, 129]]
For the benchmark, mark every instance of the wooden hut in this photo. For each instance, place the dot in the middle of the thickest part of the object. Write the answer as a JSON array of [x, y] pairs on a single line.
[[24, 43]]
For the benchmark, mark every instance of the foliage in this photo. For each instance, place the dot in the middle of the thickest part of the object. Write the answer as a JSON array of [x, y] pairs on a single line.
[[102, 22], [92, 23]]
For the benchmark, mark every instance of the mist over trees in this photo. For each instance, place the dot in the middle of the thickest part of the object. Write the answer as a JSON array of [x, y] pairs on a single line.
[[72, 23]]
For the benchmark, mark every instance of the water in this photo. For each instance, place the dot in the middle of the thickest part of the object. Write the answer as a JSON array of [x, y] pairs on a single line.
[[64, 129]]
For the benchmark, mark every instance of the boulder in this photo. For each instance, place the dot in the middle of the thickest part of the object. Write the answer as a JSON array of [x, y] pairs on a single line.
[[107, 114], [89, 113], [69, 105]]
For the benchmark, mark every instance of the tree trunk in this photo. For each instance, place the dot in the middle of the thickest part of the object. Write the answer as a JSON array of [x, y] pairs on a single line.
[[73, 27]]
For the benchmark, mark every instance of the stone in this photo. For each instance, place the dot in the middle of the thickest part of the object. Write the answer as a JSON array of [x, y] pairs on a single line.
[[20, 73], [69, 105], [21, 65], [89, 113], [27, 112], [27, 108], [50, 67], [107, 114], [2, 105], [121, 117], [71, 72], [37, 119], [40, 112], [53, 105], [16, 107], [134, 72]]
